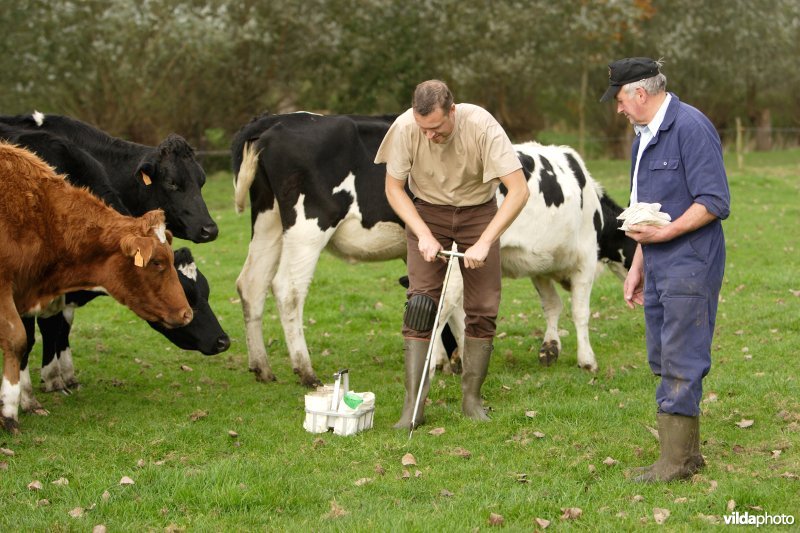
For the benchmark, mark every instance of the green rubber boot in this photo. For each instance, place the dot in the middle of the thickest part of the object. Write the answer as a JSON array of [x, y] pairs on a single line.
[[416, 350], [475, 361], [679, 439]]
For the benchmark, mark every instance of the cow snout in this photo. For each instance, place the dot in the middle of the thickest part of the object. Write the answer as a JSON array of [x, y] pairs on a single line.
[[222, 344], [208, 233]]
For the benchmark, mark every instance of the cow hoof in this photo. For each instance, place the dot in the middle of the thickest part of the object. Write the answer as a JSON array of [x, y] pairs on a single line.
[[455, 364], [11, 425], [548, 353], [590, 367], [263, 376], [311, 381], [72, 383], [54, 385]]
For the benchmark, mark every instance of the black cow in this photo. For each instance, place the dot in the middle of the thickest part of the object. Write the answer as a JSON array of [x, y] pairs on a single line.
[[313, 185], [166, 176]]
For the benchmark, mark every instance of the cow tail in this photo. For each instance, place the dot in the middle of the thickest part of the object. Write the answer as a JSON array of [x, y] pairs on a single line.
[[247, 172]]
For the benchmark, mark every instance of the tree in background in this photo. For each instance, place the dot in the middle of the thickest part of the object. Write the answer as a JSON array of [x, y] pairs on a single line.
[[141, 70]]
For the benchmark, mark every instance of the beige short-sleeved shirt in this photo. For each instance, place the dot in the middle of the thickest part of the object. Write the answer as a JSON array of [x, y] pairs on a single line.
[[463, 170]]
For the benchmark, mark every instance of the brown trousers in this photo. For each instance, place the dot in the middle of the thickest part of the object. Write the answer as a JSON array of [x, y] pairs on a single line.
[[463, 225]]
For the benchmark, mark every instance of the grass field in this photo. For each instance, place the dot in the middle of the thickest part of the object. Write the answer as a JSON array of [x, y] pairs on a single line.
[[560, 438]]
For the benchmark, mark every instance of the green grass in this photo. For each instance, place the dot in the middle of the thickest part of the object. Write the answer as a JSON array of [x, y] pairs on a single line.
[[133, 415]]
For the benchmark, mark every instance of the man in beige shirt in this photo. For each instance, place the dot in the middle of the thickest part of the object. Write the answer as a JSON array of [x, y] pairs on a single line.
[[453, 156]]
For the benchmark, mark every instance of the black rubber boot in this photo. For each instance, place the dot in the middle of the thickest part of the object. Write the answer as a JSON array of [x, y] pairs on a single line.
[[475, 361], [679, 440], [416, 350]]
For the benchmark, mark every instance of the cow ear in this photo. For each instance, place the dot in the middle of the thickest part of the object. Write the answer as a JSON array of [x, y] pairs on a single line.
[[140, 248], [145, 172]]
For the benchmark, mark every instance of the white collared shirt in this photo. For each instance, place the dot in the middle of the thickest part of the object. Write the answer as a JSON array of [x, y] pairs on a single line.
[[646, 134]]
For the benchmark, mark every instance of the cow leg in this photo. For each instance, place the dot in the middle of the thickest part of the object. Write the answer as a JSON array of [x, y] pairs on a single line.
[[253, 284], [51, 368], [581, 295], [63, 349], [552, 306], [27, 400], [13, 342], [302, 246]]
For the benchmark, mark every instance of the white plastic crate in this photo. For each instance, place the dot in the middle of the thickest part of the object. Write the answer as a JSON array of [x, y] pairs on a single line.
[[326, 410]]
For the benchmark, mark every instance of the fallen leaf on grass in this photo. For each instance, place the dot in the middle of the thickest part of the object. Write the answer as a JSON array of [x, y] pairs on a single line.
[[436, 432], [496, 519], [126, 481], [731, 505], [417, 473], [461, 452], [638, 498], [77, 512], [711, 397], [232, 434], [592, 469], [408, 460], [186, 368], [197, 415], [522, 478], [571, 513], [406, 474], [680, 500], [6, 451], [3, 465], [530, 414], [660, 515], [789, 475], [105, 496], [44, 502], [35, 485], [60, 481], [711, 519], [608, 461], [795, 293], [653, 431], [336, 510], [99, 528], [712, 486], [538, 434], [317, 443], [446, 493], [541, 522], [744, 423], [379, 470], [363, 481]]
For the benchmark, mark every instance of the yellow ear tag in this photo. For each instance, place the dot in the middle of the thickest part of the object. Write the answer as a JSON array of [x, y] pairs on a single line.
[[146, 179], [138, 260]]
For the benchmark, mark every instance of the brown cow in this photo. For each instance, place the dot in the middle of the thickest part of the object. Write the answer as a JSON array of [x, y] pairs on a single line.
[[56, 238]]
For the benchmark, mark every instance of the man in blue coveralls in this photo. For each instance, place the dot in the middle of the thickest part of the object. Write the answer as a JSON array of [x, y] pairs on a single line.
[[677, 269]]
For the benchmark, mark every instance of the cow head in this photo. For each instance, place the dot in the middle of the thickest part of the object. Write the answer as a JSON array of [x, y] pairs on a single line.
[[204, 332], [614, 248], [170, 178], [141, 274]]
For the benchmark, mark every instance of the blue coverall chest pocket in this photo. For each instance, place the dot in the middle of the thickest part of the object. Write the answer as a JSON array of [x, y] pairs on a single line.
[[671, 163]]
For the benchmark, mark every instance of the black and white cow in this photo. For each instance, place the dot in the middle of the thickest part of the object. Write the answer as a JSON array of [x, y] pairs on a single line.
[[568, 224], [313, 185], [172, 161]]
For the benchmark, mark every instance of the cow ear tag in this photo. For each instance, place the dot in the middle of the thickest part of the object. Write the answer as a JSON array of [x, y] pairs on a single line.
[[147, 181], [138, 260]]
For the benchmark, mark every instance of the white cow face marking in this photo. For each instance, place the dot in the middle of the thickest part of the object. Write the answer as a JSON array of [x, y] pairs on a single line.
[[161, 232], [190, 271]]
